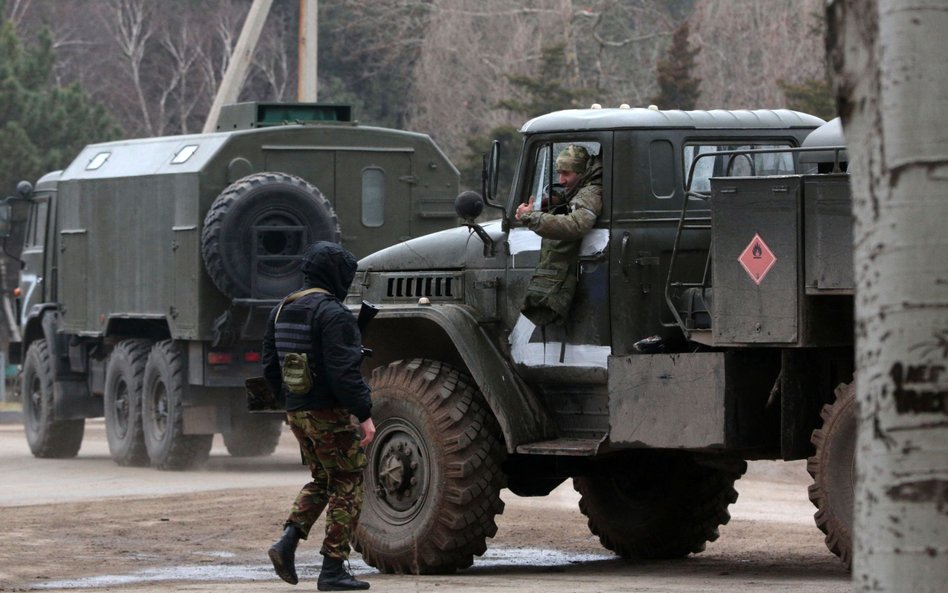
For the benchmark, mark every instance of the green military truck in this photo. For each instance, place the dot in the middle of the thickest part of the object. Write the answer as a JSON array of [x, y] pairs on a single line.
[[712, 325], [149, 267]]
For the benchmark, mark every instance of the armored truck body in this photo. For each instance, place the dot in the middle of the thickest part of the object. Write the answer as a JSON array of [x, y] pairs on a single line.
[[711, 324], [150, 267]]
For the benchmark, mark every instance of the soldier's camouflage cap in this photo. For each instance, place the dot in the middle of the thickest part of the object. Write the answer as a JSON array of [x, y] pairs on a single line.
[[573, 158]]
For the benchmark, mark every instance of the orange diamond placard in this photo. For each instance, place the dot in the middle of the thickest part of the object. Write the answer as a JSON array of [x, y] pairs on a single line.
[[757, 259]]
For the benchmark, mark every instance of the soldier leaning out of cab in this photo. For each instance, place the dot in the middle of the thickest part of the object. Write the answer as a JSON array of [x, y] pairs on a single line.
[[562, 222]]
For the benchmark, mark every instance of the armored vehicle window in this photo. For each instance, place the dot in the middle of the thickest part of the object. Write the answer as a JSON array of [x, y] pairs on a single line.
[[98, 160], [373, 197], [36, 230], [544, 170], [184, 154], [748, 165]]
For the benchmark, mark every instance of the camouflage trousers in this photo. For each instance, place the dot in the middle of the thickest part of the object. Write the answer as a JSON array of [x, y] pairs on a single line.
[[329, 441]]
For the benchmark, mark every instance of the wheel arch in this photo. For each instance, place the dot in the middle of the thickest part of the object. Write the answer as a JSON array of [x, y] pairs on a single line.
[[451, 334]]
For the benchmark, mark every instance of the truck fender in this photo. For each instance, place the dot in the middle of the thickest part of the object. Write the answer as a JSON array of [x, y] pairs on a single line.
[[450, 333]]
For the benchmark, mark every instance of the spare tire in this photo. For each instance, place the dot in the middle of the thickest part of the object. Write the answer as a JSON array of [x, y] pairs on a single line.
[[234, 234]]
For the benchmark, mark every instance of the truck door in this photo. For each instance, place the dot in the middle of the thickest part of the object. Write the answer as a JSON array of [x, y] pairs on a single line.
[[374, 198], [584, 340], [645, 207], [32, 288]]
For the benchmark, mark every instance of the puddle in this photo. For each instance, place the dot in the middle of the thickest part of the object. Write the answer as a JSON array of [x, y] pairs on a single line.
[[493, 558]]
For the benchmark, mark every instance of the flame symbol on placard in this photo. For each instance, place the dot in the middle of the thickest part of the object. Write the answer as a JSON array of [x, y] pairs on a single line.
[[757, 251]]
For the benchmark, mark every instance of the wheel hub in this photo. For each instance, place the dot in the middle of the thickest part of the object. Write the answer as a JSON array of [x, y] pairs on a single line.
[[397, 469], [36, 401], [401, 473]]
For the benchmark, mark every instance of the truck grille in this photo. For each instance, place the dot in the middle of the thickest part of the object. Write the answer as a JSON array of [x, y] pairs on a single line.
[[436, 287]]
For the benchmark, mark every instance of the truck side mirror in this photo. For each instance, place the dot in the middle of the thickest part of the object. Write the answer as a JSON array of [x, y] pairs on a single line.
[[468, 205], [491, 177], [24, 191]]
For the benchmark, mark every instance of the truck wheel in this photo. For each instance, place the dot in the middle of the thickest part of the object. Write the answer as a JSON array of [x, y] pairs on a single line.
[[232, 231], [434, 471], [834, 473], [46, 436], [123, 402], [253, 435], [663, 505], [163, 412]]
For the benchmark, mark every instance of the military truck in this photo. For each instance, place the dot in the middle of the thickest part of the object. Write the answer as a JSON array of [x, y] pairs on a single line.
[[712, 325], [150, 265]]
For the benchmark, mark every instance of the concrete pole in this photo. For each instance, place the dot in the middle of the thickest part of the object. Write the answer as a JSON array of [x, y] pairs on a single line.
[[239, 62], [308, 51]]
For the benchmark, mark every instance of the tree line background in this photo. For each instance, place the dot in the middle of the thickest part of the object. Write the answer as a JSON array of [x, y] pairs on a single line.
[[464, 71]]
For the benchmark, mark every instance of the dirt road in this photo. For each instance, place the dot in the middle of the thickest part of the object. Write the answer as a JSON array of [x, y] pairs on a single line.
[[85, 524]]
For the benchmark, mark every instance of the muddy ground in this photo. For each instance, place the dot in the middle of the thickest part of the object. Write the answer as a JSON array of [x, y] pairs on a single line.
[[85, 524]]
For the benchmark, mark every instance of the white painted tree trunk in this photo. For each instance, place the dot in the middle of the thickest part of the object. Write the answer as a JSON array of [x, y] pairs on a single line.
[[890, 58]]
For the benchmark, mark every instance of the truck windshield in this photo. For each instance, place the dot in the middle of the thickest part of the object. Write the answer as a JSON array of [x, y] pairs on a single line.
[[748, 165]]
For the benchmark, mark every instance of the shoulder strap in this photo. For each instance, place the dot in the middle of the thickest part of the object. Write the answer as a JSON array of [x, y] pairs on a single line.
[[295, 296]]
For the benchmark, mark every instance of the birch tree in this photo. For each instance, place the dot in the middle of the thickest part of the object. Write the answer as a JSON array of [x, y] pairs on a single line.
[[890, 61]]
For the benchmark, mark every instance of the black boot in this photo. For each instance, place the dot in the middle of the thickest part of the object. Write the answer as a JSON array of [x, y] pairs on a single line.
[[283, 552], [334, 577]]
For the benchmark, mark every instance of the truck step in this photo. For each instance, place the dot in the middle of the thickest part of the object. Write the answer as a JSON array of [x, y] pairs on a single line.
[[564, 446]]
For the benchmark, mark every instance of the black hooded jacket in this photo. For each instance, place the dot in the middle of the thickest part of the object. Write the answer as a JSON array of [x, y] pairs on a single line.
[[321, 326]]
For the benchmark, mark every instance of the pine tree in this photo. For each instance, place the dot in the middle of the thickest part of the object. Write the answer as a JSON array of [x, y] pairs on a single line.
[[813, 96], [539, 94], [678, 88], [546, 91], [44, 125]]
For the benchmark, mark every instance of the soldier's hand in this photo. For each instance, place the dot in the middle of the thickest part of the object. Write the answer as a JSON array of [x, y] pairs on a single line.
[[524, 208], [368, 432]]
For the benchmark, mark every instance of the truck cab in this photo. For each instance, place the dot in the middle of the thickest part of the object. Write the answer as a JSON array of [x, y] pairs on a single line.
[[675, 365]]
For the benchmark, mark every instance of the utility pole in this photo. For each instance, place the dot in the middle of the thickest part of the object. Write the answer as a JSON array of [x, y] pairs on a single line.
[[239, 61], [892, 86], [308, 47]]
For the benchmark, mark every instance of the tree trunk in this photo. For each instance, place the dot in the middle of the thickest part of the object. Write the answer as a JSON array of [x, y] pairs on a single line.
[[890, 60]]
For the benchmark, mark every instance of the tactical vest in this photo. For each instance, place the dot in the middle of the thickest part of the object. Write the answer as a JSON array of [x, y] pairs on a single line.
[[293, 329]]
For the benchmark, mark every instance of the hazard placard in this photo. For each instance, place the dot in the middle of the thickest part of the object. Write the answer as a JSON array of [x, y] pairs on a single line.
[[757, 259]]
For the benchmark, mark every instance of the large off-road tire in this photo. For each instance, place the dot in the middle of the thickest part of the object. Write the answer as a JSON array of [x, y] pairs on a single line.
[[264, 200], [253, 435], [46, 436], [434, 477], [659, 505], [163, 412], [834, 474], [123, 402]]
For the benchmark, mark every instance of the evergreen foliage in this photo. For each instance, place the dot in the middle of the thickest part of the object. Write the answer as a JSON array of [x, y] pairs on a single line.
[[546, 91], [535, 95], [813, 96], [678, 87], [479, 146], [44, 125]]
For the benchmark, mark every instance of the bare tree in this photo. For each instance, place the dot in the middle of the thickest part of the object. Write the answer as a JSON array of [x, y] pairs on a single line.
[[130, 22], [181, 43], [748, 46], [470, 49], [272, 59], [891, 80], [16, 10]]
